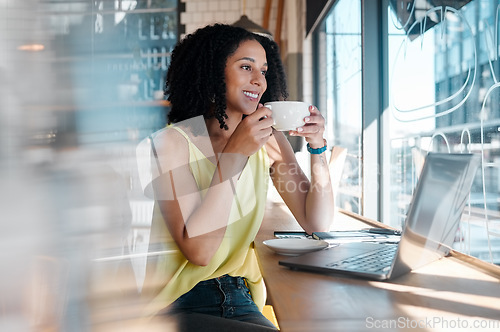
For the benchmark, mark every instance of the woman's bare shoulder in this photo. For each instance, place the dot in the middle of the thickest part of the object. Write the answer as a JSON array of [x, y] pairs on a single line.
[[171, 147]]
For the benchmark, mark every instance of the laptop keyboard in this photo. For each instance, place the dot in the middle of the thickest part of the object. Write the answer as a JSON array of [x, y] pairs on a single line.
[[379, 260]]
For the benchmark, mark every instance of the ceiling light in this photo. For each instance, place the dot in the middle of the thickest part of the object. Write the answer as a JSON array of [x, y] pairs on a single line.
[[31, 47], [247, 24]]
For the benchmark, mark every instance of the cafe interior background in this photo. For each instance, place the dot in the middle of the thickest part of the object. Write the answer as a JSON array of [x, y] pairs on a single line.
[[81, 87]]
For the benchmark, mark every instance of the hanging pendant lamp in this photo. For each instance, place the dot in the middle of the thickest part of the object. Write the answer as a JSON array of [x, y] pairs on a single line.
[[247, 24]]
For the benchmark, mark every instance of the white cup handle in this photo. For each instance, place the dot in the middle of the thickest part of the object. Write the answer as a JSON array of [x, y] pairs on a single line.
[[271, 108]]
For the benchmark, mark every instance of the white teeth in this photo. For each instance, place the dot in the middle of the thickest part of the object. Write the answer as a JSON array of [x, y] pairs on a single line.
[[251, 95]]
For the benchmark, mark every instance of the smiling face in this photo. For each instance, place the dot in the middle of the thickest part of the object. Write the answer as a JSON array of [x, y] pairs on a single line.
[[245, 77]]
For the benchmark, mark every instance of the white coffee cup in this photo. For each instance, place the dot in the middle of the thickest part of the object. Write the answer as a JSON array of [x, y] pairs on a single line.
[[288, 115]]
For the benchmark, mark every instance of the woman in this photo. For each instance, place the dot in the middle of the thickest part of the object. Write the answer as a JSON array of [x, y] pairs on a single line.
[[213, 164]]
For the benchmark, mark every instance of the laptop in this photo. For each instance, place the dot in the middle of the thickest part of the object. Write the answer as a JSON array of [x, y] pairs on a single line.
[[431, 224]]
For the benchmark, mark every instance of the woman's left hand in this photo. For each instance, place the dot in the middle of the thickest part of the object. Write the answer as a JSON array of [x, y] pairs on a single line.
[[313, 130]]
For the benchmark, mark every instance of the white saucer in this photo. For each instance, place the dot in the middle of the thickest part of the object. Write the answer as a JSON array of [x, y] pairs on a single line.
[[295, 247]]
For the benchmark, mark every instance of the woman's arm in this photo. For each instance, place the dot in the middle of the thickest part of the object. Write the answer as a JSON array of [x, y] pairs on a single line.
[[310, 201], [196, 221]]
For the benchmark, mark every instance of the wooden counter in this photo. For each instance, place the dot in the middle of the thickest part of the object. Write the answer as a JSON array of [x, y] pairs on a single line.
[[448, 294]]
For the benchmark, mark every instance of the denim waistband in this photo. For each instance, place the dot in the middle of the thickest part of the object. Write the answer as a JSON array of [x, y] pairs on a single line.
[[225, 279]]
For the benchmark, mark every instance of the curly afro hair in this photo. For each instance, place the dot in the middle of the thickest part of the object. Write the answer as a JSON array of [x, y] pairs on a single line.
[[195, 81]]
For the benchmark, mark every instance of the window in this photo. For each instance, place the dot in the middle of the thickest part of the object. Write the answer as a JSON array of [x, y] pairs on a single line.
[[440, 91], [338, 42]]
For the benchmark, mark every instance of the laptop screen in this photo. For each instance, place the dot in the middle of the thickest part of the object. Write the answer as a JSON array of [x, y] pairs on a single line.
[[436, 209]]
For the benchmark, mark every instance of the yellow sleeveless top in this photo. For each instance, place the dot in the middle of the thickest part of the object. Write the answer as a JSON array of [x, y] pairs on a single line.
[[169, 274]]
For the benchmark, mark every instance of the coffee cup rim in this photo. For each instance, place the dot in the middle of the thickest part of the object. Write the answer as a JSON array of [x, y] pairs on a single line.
[[286, 101]]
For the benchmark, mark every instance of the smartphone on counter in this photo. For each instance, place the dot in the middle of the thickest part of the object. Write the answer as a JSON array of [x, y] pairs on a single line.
[[291, 235], [384, 231]]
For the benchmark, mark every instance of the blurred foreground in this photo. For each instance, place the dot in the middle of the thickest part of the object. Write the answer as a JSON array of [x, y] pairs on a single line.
[[79, 88]]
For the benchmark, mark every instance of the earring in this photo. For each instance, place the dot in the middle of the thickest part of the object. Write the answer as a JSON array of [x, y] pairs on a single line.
[[212, 99]]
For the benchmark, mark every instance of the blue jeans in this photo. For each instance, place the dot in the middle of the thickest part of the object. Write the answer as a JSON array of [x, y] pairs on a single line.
[[225, 297]]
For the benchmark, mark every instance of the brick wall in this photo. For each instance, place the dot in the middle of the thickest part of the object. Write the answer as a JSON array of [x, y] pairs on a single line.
[[202, 12]]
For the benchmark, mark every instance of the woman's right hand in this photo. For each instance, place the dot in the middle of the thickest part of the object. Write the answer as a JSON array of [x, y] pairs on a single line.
[[251, 133]]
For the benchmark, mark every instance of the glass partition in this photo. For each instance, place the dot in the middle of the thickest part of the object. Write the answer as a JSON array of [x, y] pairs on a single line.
[[81, 85]]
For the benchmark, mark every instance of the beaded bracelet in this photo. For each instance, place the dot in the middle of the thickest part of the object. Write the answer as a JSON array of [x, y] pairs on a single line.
[[316, 151]]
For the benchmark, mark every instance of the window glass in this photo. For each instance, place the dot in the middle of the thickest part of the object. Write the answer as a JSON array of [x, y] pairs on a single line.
[[444, 96], [339, 76]]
